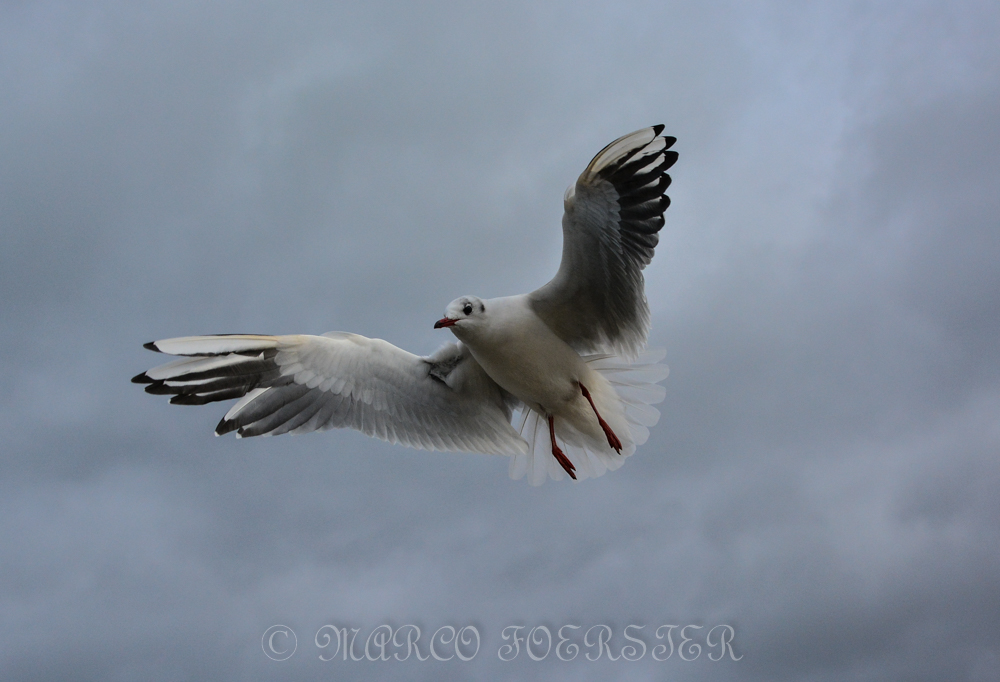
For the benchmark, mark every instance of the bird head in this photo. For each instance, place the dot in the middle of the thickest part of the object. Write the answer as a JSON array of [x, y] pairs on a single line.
[[462, 315]]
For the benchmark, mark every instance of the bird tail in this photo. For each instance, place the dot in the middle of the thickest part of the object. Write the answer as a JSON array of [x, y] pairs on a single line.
[[637, 386]]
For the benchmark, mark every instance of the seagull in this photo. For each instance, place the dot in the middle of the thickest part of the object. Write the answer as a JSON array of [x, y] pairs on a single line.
[[559, 379]]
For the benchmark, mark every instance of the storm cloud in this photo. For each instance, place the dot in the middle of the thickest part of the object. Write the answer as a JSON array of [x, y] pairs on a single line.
[[824, 476]]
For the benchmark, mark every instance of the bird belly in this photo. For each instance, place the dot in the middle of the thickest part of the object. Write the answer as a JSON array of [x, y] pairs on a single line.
[[546, 376]]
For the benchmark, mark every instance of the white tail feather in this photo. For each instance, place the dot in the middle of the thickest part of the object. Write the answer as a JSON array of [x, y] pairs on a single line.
[[636, 384]]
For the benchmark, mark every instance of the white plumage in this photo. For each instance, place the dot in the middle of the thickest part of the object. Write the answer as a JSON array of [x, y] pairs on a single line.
[[568, 358]]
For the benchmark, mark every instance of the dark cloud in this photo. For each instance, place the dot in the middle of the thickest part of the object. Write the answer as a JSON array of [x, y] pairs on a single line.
[[823, 477]]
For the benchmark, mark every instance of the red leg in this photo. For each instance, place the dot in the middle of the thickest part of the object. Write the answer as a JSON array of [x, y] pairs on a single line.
[[612, 438], [559, 454]]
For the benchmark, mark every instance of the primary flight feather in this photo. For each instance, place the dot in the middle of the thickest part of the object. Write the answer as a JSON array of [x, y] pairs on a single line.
[[568, 358]]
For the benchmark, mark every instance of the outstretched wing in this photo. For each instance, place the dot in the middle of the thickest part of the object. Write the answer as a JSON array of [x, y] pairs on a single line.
[[596, 301], [296, 384]]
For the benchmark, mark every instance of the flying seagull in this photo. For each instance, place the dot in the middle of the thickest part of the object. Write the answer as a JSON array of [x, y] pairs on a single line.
[[568, 361]]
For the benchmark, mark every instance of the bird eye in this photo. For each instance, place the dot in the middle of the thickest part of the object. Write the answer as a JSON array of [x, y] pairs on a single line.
[[467, 309]]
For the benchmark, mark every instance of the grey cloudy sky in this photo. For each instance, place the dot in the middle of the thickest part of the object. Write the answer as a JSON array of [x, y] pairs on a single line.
[[824, 477]]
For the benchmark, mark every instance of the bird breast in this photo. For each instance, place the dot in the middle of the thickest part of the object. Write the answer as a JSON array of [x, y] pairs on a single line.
[[519, 352]]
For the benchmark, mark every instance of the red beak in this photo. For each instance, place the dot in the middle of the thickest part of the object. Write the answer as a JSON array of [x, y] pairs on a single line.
[[444, 322]]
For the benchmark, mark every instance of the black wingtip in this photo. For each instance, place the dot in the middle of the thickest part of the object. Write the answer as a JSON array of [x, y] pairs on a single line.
[[658, 128], [151, 346], [141, 379], [670, 139], [225, 426], [183, 398]]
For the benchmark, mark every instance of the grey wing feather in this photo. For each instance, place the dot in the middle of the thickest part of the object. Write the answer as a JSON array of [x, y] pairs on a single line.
[[296, 384], [597, 300]]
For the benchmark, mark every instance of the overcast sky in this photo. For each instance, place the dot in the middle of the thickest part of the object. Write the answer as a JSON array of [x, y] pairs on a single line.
[[825, 474]]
